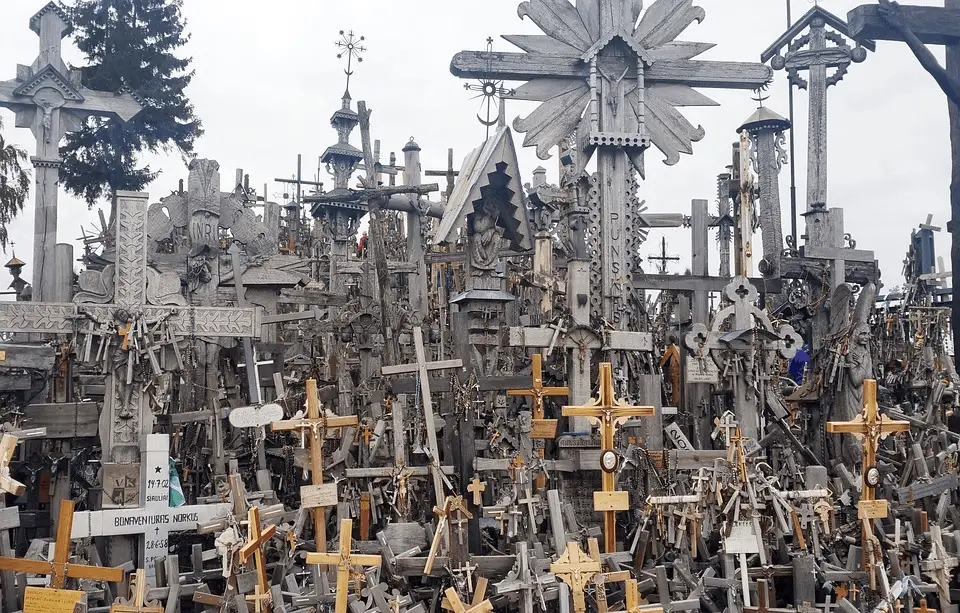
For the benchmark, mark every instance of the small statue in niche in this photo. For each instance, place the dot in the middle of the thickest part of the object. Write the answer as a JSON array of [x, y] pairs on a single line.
[[485, 239], [858, 366]]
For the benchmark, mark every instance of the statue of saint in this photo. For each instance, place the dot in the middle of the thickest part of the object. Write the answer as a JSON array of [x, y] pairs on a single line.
[[485, 239]]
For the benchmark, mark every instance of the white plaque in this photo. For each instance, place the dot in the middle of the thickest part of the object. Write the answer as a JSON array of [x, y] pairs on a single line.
[[313, 496], [677, 437], [702, 371], [742, 539], [256, 416]]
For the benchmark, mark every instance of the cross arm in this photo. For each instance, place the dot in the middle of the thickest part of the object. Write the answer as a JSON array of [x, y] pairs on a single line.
[[402, 369], [306, 424], [76, 571], [123, 105], [582, 412], [325, 559], [364, 195], [527, 66], [845, 427], [932, 25], [250, 548], [365, 560], [632, 412]]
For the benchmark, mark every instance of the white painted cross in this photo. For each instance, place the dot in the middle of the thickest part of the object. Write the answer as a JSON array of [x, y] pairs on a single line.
[[155, 518]]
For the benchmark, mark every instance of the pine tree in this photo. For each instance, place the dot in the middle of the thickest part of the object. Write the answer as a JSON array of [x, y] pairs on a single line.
[[132, 44], [14, 185]]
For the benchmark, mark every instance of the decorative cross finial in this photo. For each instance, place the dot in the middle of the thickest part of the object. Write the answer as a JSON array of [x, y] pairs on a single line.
[[351, 46], [490, 90], [760, 97]]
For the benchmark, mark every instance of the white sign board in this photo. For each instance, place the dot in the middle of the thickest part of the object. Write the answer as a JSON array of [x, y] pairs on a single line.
[[256, 416], [677, 437], [155, 518], [742, 539], [313, 496], [702, 371]]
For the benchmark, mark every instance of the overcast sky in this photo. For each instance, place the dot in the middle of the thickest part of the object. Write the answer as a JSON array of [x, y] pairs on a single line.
[[267, 79]]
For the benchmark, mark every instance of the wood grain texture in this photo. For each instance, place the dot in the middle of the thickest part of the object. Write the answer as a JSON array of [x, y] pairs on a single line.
[[932, 25]]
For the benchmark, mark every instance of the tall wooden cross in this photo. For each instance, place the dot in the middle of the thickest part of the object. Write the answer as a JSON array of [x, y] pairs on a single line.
[[345, 562], [59, 569], [48, 98], [126, 407], [137, 603], [537, 392], [919, 26], [422, 368], [611, 412], [576, 569], [629, 74], [316, 424], [870, 427], [450, 173]]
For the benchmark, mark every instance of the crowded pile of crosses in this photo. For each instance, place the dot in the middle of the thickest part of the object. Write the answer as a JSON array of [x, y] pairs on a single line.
[[477, 404]]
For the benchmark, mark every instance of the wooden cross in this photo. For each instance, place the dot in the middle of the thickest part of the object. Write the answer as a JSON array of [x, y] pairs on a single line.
[[477, 488], [450, 173], [261, 600], [611, 412], [763, 606], [919, 26], [457, 606], [59, 569], [423, 368], [538, 392], [8, 484], [47, 98], [344, 562], [315, 424], [576, 569], [253, 548], [137, 603]]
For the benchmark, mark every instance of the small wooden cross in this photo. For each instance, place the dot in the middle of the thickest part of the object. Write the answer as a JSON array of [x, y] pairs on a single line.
[[344, 561], [477, 487], [59, 568], [841, 591], [261, 600], [137, 603], [611, 412], [8, 484], [457, 606], [256, 537], [315, 424], [576, 569], [923, 607], [538, 392]]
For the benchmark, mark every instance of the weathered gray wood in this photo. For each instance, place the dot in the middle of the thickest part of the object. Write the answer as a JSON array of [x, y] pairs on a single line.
[[27, 356], [856, 272], [69, 420], [933, 25], [526, 66], [699, 283]]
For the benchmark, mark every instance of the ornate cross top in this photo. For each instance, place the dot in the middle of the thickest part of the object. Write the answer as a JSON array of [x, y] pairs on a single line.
[[137, 603], [59, 569], [662, 259], [613, 77], [352, 46], [345, 562]]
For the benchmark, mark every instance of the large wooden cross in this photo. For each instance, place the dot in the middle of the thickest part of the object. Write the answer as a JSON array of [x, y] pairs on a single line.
[[344, 561], [59, 568], [870, 427], [919, 26], [611, 412], [423, 368], [125, 406], [316, 425], [614, 78], [537, 392], [253, 548], [48, 98]]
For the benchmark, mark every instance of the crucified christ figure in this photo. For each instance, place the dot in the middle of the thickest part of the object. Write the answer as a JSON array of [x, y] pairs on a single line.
[[892, 14]]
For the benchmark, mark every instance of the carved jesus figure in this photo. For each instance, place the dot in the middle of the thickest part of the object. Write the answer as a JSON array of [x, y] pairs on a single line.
[[485, 239]]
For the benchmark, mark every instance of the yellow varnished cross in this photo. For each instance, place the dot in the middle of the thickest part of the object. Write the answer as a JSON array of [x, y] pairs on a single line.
[[312, 427], [923, 607], [537, 392], [256, 537], [870, 427], [137, 603], [59, 569], [611, 412], [477, 487], [576, 569], [344, 562], [457, 606], [8, 445]]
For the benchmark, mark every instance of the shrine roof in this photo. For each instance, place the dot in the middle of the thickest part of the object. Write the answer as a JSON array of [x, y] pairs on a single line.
[[764, 118], [343, 150]]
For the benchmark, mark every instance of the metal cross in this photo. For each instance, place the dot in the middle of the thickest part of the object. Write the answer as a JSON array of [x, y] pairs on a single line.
[[350, 46]]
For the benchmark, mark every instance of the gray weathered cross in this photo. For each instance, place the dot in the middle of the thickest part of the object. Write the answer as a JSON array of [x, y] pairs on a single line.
[[48, 98], [629, 74], [816, 59], [135, 309]]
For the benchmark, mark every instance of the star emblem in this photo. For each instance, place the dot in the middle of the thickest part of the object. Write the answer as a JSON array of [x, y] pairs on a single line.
[[158, 469]]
